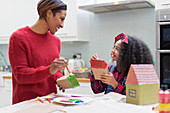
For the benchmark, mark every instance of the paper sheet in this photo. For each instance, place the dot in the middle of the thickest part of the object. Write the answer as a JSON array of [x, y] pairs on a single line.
[[109, 104], [42, 108]]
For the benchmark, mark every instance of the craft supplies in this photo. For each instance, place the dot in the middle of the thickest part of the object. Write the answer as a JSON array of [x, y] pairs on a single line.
[[38, 98], [164, 100], [48, 98], [68, 69], [98, 68]]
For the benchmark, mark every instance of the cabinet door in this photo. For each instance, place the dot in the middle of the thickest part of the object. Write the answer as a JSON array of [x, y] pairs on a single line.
[[2, 96], [25, 13], [16, 14], [6, 12], [6, 93], [162, 4], [70, 23]]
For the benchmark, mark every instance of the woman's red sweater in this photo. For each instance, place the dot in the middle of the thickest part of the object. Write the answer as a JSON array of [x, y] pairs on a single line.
[[30, 56]]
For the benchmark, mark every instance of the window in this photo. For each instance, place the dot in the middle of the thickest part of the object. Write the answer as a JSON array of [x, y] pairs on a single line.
[[132, 93]]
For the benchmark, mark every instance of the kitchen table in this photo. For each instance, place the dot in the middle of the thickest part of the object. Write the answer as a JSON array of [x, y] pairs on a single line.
[[109, 103]]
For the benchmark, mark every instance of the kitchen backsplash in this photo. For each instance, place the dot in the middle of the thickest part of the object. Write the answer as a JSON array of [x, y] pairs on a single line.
[[4, 51]]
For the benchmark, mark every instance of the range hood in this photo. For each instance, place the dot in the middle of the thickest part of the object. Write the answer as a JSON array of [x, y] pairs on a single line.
[[100, 6]]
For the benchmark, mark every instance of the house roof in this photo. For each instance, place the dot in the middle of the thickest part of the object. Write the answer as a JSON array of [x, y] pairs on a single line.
[[142, 74], [98, 64]]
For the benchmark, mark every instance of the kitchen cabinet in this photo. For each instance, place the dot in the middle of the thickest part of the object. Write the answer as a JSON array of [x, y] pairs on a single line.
[[6, 93], [162, 4], [76, 25], [6, 12], [16, 14], [20, 13]]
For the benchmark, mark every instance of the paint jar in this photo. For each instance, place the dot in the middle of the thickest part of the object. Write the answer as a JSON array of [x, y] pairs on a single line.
[[164, 100]]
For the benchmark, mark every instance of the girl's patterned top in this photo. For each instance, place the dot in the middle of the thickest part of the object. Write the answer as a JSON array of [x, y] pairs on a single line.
[[99, 87]]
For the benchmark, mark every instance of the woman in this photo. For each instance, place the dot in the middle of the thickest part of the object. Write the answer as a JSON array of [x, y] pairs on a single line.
[[34, 53], [127, 50]]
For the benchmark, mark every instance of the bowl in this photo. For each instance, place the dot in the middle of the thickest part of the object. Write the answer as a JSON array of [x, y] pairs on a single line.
[[82, 74]]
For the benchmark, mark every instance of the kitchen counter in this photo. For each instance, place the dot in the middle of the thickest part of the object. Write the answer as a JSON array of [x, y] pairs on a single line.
[[100, 104], [6, 88], [83, 79], [5, 75], [8, 75]]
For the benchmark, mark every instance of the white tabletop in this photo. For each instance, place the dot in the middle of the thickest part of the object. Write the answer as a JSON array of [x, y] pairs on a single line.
[[101, 103]]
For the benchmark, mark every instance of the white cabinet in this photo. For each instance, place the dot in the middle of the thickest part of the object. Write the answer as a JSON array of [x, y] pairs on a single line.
[[76, 25], [6, 93], [162, 4], [20, 13], [16, 14]]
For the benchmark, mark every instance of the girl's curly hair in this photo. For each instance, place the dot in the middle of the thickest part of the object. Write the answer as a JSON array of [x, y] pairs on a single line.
[[135, 52]]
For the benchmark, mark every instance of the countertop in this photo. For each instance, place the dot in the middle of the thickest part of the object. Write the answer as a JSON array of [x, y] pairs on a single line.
[[100, 104], [8, 75], [4, 75]]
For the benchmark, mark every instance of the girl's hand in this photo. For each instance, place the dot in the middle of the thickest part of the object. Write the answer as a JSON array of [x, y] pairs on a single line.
[[58, 64], [94, 57], [109, 79]]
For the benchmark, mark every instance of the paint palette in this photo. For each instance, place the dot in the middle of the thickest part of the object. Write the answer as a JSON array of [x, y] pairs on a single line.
[[72, 100]]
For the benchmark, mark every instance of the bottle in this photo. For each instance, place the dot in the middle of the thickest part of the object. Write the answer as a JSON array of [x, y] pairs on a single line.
[[164, 100]]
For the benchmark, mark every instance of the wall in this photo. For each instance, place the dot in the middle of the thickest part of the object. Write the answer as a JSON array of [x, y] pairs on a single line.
[[105, 26], [68, 49]]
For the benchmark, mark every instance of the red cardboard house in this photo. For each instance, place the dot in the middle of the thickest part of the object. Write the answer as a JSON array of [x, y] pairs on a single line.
[[142, 85], [98, 68]]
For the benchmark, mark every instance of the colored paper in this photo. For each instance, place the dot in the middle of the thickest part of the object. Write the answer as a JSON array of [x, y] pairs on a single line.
[[98, 64], [142, 85], [142, 74]]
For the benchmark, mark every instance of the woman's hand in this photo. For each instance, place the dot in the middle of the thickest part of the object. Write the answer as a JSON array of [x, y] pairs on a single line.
[[109, 79], [60, 88], [58, 64]]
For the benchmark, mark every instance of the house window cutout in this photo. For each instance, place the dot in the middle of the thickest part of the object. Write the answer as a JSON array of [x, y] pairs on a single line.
[[132, 93]]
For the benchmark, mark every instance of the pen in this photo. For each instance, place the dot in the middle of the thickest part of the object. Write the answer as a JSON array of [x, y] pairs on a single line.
[[75, 96], [48, 98], [38, 98]]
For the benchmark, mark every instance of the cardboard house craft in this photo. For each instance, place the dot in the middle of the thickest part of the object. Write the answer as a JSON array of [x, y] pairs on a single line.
[[142, 85], [98, 68], [69, 81]]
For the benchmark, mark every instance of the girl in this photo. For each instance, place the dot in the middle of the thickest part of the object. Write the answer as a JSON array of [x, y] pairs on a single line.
[[126, 51]]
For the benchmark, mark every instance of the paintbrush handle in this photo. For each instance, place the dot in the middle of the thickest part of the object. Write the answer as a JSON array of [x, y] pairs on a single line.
[[68, 69]]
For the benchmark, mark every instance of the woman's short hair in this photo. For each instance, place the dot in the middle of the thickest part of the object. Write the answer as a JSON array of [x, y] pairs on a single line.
[[53, 5], [135, 52]]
